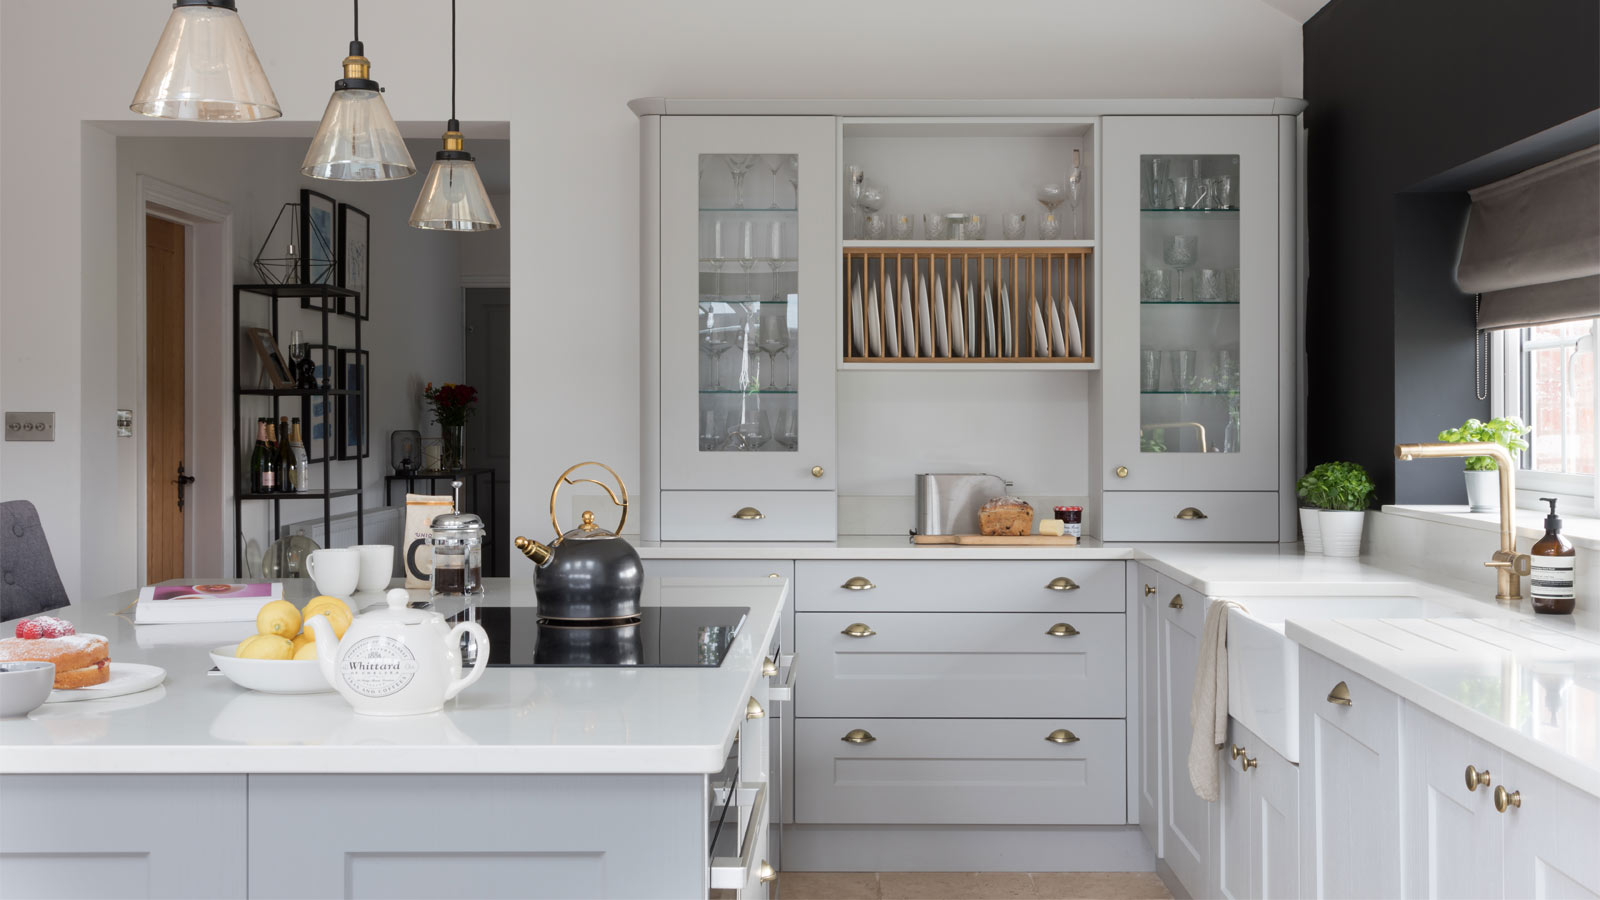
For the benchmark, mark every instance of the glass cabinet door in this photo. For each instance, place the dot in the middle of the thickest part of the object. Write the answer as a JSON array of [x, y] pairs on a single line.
[[747, 224], [1192, 246]]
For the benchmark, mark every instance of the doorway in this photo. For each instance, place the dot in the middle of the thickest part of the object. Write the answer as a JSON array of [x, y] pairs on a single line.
[[488, 351], [165, 429]]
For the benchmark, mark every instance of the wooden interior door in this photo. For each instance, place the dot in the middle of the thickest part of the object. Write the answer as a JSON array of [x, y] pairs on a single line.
[[164, 385]]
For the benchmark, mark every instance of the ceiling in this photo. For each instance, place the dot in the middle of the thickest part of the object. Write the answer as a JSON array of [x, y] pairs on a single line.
[[1298, 10]]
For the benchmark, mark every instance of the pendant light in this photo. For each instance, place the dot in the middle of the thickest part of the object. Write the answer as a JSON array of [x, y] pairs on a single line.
[[357, 140], [205, 69], [453, 198]]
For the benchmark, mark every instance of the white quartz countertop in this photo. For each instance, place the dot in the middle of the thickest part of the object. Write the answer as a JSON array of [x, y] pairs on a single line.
[[513, 720]]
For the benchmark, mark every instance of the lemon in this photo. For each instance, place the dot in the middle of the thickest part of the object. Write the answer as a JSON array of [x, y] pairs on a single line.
[[302, 639], [278, 618], [321, 602], [306, 651], [338, 613], [265, 646]]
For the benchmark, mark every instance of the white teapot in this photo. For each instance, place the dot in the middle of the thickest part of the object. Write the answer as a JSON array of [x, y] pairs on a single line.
[[397, 661]]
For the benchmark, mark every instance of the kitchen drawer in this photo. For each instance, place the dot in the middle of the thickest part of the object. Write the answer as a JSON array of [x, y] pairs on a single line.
[[960, 772], [785, 516], [1154, 516], [963, 664], [960, 586]]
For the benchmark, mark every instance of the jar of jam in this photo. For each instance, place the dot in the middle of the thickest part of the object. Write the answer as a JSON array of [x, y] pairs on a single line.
[[1072, 516]]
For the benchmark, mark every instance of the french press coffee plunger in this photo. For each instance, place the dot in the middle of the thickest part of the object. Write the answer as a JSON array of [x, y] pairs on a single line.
[[457, 543]]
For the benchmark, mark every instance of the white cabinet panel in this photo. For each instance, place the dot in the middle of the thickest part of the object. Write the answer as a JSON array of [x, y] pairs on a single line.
[[1552, 841], [1185, 823], [1150, 675], [727, 516], [1156, 516], [1450, 834], [960, 586], [1255, 845], [1232, 844]]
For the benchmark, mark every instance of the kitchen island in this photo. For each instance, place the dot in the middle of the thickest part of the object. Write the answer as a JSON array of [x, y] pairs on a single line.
[[534, 782]]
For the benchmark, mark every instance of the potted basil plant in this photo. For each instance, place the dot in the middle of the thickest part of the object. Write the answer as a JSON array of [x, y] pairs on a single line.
[[1482, 472], [1309, 489], [1340, 491]]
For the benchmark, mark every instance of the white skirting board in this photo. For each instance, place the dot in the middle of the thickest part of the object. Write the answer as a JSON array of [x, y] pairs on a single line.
[[989, 848]]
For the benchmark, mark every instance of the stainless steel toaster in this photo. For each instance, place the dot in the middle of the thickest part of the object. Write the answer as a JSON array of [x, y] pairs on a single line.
[[948, 503]]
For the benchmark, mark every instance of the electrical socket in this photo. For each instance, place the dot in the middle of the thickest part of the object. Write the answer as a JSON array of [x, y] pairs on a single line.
[[30, 426]]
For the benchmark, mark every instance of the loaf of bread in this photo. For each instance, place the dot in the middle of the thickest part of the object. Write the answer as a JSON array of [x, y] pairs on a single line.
[[1005, 515]]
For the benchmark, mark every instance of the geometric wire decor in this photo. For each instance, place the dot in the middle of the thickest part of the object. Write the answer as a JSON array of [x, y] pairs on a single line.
[[279, 259]]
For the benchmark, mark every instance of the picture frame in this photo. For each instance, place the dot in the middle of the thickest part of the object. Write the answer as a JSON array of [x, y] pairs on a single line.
[[355, 262], [318, 236], [316, 416], [274, 369], [354, 410]]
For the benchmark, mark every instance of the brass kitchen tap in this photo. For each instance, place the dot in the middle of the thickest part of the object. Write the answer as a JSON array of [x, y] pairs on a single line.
[[1509, 565]]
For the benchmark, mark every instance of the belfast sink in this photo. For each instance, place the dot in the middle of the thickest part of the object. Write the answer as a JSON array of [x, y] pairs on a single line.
[[1264, 665]]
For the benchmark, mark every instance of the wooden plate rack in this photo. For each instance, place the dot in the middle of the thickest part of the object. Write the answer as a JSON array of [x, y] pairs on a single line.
[[1032, 278]]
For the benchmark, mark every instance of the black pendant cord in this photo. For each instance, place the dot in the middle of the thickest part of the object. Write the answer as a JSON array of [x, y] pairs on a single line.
[[452, 60], [356, 5]]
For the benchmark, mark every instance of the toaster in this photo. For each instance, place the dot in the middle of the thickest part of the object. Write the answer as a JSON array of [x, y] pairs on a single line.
[[948, 503]]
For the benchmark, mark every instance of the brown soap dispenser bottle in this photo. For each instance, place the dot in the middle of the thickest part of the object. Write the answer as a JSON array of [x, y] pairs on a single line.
[[1554, 568]]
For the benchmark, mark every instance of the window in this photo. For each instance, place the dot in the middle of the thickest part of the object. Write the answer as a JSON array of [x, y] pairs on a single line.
[[1547, 377]]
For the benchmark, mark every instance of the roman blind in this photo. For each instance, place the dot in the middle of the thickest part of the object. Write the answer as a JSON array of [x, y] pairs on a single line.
[[1532, 248]]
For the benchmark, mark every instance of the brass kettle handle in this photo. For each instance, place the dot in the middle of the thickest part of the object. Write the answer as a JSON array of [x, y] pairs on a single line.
[[588, 521], [1061, 584], [858, 736], [1176, 602], [749, 513], [768, 873], [1149, 589], [1340, 695], [1476, 778], [1061, 629], [1504, 799], [1246, 763], [1061, 736], [857, 583], [1189, 513], [753, 710], [858, 630]]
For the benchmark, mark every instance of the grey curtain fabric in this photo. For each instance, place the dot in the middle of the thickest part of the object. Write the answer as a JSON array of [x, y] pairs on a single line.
[[29, 582], [1533, 244]]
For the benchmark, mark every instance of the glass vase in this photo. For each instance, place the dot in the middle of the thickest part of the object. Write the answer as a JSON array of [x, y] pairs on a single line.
[[453, 447]]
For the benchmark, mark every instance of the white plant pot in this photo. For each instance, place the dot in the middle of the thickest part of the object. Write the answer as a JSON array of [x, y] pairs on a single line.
[[1341, 532], [1311, 528], [1483, 491]]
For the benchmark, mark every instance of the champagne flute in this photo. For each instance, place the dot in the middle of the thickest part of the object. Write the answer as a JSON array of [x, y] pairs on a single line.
[[775, 257], [747, 252], [1075, 193], [774, 163]]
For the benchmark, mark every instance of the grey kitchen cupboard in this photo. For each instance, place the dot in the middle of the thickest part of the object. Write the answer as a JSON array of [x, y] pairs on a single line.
[[737, 373], [960, 586], [123, 836], [1198, 223], [960, 771], [1150, 675], [967, 665], [1255, 834], [1549, 840], [1185, 820], [1349, 783]]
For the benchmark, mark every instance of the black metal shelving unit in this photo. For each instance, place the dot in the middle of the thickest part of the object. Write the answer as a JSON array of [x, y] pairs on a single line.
[[274, 294]]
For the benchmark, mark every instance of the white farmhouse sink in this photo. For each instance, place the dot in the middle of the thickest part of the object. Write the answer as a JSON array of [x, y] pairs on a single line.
[[1264, 665]]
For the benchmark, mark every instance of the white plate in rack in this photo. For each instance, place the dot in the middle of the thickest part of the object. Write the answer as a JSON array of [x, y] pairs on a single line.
[[908, 325], [925, 344], [874, 326], [857, 331], [1041, 338], [891, 327], [126, 678], [993, 348], [1074, 333], [958, 326], [941, 328], [1007, 342], [1058, 341]]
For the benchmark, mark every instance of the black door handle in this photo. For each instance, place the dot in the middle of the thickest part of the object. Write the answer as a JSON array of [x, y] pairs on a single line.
[[181, 481]]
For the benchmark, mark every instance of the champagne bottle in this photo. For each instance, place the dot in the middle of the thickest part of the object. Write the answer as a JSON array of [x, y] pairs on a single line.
[[261, 476], [271, 462], [283, 460], [302, 466]]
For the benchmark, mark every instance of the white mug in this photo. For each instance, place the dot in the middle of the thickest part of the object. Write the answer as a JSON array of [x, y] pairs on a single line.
[[335, 572], [377, 566]]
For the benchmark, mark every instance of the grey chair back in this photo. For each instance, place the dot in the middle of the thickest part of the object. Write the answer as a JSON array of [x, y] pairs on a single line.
[[29, 582]]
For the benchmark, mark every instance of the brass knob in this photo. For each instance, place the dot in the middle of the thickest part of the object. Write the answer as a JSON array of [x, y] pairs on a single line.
[[1504, 799], [1122, 471], [1062, 584], [858, 630], [1061, 629], [858, 736], [749, 512], [1189, 513], [1176, 602], [768, 873], [1061, 736], [1238, 751], [768, 667], [1246, 763], [1340, 695], [857, 583], [753, 710], [816, 471], [1477, 779], [1149, 589]]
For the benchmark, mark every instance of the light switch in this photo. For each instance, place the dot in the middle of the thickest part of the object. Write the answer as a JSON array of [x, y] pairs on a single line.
[[30, 426]]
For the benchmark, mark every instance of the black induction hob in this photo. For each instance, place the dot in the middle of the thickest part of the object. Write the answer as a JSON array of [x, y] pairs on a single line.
[[661, 636]]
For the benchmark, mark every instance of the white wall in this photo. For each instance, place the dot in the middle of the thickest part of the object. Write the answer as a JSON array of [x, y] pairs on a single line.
[[560, 73]]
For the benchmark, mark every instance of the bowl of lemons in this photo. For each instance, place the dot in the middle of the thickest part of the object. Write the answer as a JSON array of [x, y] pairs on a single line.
[[281, 657]]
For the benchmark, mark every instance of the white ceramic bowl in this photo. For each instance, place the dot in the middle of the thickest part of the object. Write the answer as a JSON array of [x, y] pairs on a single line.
[[24, 686], [272, 676]]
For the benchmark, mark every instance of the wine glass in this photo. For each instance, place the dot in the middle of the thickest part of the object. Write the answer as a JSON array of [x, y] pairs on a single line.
[[775, 256], [788, 436], [1180, 253], [716, 338], [1075, 193], [297, 354], [774, 339], [738, 165], [794, 177], [713, 428], [754, 430], [774, 163]]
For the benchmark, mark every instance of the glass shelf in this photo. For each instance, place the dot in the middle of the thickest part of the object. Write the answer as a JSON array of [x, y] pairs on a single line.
[[735, 301], [755, 260], [749, 391], [1234, 210], [1232, 393], [746, 209], [1188, 303]]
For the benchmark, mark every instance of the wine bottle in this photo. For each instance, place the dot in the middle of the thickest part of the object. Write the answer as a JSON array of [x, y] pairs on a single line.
[[302, 466], [272, 458], [261, 462], [283, 460]]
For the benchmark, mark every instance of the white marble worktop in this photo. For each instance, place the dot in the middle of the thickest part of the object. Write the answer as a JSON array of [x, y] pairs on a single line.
[[513, 720]]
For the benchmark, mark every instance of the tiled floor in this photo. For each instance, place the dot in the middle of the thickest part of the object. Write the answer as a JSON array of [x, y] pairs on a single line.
[[971, 886]]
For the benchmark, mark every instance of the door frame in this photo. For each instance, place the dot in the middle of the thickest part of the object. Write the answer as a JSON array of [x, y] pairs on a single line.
[[208, 261]]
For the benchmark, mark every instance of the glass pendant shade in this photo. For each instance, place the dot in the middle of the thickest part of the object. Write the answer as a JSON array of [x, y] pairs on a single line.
[[358, 141], [453, 198], [205, 69]]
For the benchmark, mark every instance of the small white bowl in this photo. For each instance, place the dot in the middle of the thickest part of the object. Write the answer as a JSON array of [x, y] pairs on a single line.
[[24, 686], [272, 676]]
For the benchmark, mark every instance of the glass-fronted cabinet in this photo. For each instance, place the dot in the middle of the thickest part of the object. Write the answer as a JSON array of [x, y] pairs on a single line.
[[1192, 249], [747, 258]]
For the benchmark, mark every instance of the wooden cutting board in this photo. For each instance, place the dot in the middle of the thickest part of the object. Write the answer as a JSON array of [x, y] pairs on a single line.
[[997, 540]]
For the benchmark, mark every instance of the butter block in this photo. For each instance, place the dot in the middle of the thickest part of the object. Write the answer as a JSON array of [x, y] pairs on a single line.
[[1054, 527]]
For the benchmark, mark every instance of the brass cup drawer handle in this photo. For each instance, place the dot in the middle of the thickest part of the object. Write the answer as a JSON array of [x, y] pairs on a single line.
[[1149, 590], [1061, 584], [1061, 629], [1176, 602], [857, 583], [858, 736], [749, 514], [753, 710], [1504, 799], [1189, 513], [1340, 695], [768, 873], [768, 667], [858, 630], [1061, 736], [1477, 778], [1246, 763]]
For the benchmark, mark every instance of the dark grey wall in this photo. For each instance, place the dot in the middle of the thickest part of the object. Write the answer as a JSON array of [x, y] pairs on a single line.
[[1400, 92]]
